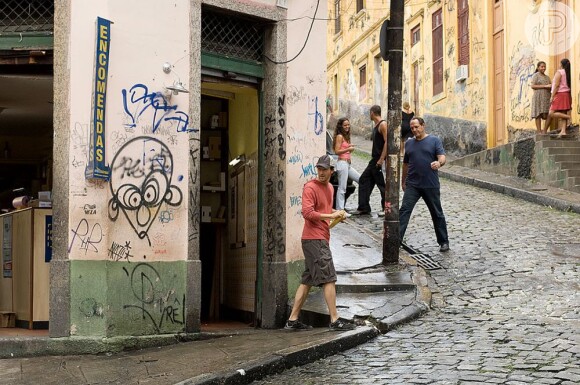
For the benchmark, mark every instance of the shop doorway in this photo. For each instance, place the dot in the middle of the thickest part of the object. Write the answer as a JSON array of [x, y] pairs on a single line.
[[229, 206], [26, 141]]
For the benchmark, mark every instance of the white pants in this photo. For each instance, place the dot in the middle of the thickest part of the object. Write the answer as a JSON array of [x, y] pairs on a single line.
[[344, 171]]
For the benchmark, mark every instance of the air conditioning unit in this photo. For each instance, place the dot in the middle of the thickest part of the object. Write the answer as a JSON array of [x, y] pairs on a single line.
[[461, 73], [282, 4]]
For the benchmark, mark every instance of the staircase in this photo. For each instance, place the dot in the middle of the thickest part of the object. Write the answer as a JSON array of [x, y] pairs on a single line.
[[558, 161]]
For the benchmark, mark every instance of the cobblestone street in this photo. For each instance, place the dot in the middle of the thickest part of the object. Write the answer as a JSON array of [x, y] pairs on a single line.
[[505, 303]]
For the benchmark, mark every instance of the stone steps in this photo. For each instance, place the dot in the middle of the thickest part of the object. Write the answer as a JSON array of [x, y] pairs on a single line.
[[561, 164]]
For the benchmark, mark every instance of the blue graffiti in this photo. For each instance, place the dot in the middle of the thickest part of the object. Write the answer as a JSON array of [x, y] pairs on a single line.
[[316, 115], [308, 170], [296, 158], [524, 79], [138, 100]]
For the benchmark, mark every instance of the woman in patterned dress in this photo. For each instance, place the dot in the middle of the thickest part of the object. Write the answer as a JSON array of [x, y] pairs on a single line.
[[541, 85]]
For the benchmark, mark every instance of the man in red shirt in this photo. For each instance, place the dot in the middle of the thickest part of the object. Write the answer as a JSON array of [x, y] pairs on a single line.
[[319, 267]]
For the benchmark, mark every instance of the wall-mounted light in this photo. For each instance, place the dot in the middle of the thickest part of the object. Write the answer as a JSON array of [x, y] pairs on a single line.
[[177, 86], [237, 160]]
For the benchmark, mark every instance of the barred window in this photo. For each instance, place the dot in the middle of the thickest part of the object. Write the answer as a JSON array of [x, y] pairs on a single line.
[[232, 37], [20, 16]]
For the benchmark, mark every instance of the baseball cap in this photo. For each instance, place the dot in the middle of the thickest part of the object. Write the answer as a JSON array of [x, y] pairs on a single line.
[[325, 162]]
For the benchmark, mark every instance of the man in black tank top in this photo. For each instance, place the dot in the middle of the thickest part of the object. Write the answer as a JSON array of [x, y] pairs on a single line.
[[373, 174]]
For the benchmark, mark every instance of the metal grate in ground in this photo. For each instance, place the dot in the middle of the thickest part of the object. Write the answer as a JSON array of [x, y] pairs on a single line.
[[426, 261]]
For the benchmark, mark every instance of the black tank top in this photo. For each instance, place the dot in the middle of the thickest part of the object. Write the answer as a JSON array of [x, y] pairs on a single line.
[[378, 142]]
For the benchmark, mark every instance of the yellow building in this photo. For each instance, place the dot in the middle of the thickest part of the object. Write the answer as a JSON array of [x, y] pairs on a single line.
[[467, 64], [356, 73]]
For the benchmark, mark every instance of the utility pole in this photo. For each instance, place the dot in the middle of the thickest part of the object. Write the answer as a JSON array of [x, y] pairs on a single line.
[[394, 43]]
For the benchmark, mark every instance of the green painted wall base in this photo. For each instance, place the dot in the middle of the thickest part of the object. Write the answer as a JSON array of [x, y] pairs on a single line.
[[295, 270], [123, 299]]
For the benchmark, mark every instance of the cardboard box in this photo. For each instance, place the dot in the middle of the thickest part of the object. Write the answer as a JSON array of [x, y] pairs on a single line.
[[7, 319], [215, 147]]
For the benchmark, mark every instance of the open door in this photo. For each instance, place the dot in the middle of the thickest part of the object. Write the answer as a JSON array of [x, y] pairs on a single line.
[[229, 206]]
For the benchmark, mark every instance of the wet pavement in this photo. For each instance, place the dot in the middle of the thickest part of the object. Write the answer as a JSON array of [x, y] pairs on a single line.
[[506, 302]]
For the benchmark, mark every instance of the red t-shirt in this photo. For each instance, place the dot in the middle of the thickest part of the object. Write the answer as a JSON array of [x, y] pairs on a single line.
[[316, 200]]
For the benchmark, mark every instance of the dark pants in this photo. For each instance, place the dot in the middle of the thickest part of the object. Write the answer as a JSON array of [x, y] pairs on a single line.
[[432, 199], [371, 176]]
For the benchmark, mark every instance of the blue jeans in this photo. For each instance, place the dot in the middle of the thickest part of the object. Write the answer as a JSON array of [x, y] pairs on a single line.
[[431, 197]]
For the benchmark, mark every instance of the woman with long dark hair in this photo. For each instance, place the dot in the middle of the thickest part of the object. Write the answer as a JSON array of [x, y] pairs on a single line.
[[541, 84], [343, 148], [561, 99]]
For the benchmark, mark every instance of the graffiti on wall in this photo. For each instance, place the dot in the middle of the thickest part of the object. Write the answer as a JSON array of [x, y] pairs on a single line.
[[86, 237], [274, 152], [154, 302], [141, 181], [315, 119], [522, 67], [138, 100]]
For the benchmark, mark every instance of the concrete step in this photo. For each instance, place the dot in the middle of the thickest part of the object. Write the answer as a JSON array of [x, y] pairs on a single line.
[[567, 158], [558, 143], [571, 173], [356, 305], [569, 165], [564, 150], [374, 282], [572, 182]]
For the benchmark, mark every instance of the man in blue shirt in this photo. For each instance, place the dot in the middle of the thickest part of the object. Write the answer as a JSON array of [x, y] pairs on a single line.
[[424, 155]]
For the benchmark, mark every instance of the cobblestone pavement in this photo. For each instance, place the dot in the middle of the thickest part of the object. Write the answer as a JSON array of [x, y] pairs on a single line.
[[505, 305]]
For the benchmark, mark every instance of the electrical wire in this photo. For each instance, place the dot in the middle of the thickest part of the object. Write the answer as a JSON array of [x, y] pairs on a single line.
[[305, 42]]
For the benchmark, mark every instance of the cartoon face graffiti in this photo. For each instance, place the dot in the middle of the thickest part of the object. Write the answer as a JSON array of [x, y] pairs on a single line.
[[141, 175]]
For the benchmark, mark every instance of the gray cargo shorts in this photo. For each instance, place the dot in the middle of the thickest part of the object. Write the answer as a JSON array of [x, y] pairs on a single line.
[[318, 263]]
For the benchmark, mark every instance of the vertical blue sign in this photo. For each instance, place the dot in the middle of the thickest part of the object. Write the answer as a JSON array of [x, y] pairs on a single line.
[[96, 168], [48, 239]]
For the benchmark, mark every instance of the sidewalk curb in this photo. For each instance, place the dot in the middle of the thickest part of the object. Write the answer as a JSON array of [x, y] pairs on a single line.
[[285, 359], [529, 196], [21, 347]]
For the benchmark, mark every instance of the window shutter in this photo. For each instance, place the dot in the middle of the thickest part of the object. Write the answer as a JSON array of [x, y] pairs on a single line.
[[437, 37], [463, 23]]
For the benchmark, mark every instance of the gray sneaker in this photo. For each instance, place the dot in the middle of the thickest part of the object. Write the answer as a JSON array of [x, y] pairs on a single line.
[[296, 325], [340, 325]]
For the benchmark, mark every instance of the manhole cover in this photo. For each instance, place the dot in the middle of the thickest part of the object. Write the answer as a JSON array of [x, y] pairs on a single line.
[[355, 246], [426, 261]]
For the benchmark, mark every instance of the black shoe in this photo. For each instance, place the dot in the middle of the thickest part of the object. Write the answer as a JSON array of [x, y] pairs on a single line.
[[359, 212], [444, 247], [296, 325], [340, 325]]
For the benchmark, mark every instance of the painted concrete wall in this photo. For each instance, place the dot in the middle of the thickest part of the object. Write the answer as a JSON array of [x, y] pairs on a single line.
[[459, 114], [354, 46], [527, 42], [134, 227], [305, 118]]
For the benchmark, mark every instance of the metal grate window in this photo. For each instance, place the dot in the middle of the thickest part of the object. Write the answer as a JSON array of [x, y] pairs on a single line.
[[226, 35], [26, 16]]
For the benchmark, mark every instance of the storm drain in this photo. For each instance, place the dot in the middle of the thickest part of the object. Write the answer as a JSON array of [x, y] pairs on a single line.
[[355, 246], [426, 261]]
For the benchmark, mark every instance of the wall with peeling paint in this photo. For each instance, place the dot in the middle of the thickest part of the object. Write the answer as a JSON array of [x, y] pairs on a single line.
[[354, 47], [305, 114], [127, 234]]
